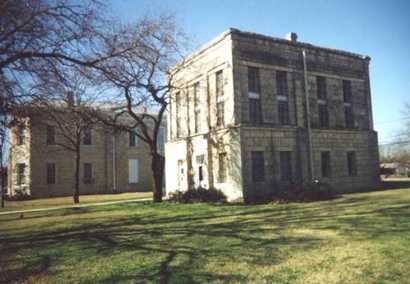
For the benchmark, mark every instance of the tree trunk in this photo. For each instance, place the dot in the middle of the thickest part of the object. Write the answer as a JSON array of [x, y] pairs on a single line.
[[157, 166], [76, 195]]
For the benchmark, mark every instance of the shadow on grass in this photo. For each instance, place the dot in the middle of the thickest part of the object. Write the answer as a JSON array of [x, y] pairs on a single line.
[[175, 242]]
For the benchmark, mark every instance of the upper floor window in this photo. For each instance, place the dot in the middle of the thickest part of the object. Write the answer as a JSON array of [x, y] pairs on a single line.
[[178, 113], [323, 115], [285, 165], [87, 139], [132, 138], [220, 117], [253, 80], [20, 135], [258, 166], [21, 173], [325, 163], [321, 88], [348, 104], [219, 84], [281, 83], [51, 173], [351, 164], [51, 135], [197, 108]]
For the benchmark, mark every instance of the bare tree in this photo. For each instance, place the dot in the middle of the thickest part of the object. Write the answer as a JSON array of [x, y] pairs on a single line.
[[141, 80]]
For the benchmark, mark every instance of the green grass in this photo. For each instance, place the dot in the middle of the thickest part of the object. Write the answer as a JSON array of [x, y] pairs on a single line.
[[358, 238], [66, 201]]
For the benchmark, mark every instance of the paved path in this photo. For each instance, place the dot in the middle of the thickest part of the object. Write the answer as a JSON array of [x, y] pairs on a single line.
[[73, 206]]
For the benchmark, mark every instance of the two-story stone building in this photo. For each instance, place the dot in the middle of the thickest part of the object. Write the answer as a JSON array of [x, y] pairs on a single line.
[[111, 161], [255, 113]]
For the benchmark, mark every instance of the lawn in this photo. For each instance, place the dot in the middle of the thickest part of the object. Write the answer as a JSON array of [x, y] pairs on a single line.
[[66, 201], [358, 238]]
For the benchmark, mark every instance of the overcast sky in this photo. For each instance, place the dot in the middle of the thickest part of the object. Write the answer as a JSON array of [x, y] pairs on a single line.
[[380, 29]]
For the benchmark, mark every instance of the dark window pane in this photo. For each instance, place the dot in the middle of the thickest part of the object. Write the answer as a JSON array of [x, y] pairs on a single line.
[[219, 84], [258, 166], [88, 172], [349, 120], [21, 177], [323, 116], [281, 83], [283, 112], [326, 166], [220, 114], [347, 91], [321, 88], [87, 137], [51, 173], [132, 138], [200, 173], [253, 80], [51, 135], [351, 164], [20, 135], [255, 113], [286, 165]]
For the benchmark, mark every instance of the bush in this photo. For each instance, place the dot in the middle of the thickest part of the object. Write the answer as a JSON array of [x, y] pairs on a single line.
[[20, 195], [305, 192], [198, 195]]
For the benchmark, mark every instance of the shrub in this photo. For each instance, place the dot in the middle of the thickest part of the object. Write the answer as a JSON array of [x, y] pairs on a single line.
[[198, 195], [305, 192], [19, 195]]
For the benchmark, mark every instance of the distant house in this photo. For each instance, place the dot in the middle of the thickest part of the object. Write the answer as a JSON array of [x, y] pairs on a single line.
[[395, 168], [111, 161]]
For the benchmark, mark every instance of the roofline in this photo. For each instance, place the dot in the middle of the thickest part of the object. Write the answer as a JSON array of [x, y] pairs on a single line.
[[300, 44]]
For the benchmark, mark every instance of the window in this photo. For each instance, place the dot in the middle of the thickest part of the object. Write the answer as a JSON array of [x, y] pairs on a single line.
[[325, 163], [178, 113], [283, 112], [51, 173], [87, 137], [258, 166], [323, 115], [200, 173], [88, 173], [348, 104], [21, 177], [253, 80], [281, 84], [51, 135], [351, 164], [197, 108], [321, 88], [220, 108], [220, 114], [219, 84], [20, 135], [133, 170], [255, 114], [161, 138], [286, 165], [132, 138], [222, 167], [347, 91]]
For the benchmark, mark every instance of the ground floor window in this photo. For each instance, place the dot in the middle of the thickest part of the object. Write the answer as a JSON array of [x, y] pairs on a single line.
[[286, 165], [51, 173], [88, 173], [21, 175], [258, 166], [133, 170], [325, 163], [351, 164]]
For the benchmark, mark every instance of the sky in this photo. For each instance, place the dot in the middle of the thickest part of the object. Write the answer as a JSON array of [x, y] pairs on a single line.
[[379, 29]]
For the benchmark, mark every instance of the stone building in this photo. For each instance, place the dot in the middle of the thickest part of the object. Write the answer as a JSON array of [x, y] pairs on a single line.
[[243, 121], [110, 161]]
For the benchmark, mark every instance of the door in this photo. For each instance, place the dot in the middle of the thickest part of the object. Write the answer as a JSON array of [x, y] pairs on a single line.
[[181, 175]]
